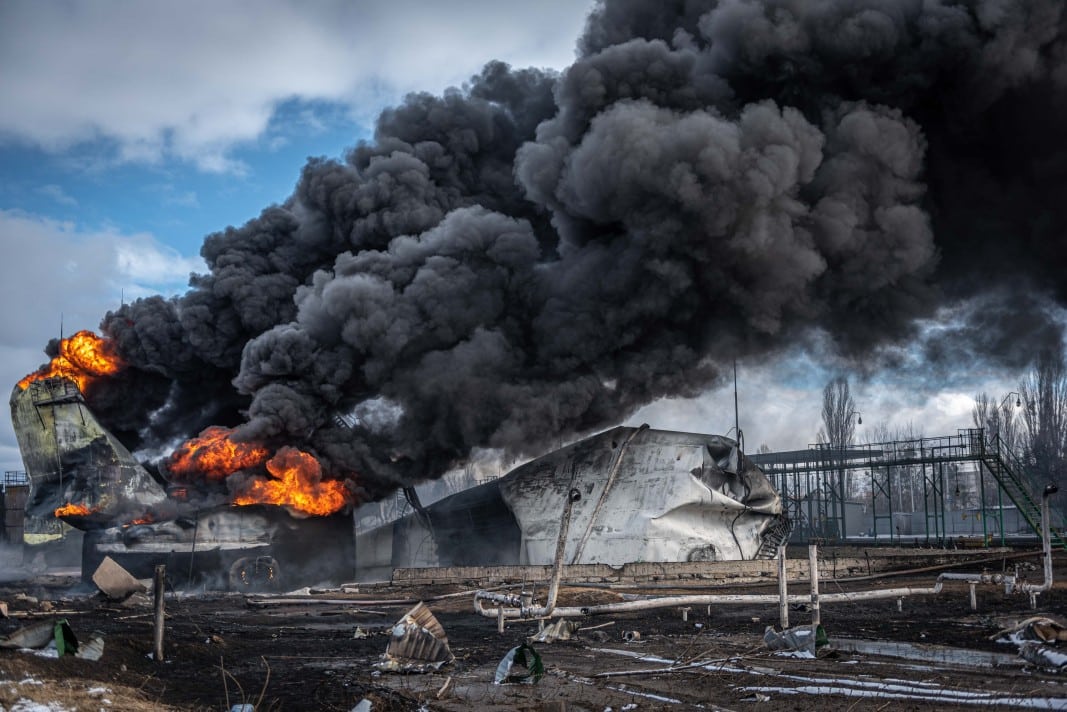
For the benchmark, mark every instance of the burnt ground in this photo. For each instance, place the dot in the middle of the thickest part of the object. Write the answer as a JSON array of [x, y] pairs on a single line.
[[222, 650]]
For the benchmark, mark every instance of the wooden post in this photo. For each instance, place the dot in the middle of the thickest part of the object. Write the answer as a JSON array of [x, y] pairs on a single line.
[[813, 572], [783, 590], [161, 573]]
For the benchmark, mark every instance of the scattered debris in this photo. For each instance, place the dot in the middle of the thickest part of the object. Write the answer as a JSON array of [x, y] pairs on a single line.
[[364, 705], [418, 644], [562, 629], [31, 636], [1038, 628], [359, 634], [94, 649], [1042, 655], [797, 641], [53, 639], [66, 643], [1036, 638], [631, 636], [522, 664], [3, 609], [756, 697], [116, 582], [445, 689], [137, 600]]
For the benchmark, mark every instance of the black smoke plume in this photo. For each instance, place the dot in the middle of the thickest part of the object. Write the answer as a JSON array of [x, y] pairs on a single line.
[[537, 254]]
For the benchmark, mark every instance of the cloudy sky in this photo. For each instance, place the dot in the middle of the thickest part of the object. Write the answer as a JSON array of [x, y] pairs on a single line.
[[130, 131]]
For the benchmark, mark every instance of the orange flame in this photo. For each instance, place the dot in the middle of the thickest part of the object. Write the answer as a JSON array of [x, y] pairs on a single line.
[[82, 358], [297, 484], [214, 456], [73, 510]]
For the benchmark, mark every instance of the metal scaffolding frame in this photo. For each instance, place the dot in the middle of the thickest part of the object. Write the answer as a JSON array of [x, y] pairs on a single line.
[[909, 491]]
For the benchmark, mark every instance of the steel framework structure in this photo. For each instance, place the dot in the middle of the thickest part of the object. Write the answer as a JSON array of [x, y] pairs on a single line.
[[878, 491]]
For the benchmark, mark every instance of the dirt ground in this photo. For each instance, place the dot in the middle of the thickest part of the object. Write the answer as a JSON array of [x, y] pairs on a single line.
[[319, 654]]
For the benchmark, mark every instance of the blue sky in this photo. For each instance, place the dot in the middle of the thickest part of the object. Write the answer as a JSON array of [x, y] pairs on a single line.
[[129, 131]]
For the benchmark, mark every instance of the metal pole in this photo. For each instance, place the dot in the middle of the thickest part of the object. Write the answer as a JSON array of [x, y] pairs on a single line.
[[157, 589], [737, 422], [981, 486], [1000, 512]]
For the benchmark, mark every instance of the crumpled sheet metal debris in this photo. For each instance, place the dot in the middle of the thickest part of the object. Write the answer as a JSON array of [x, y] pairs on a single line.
[[1043, 655], [36, 635], [53, 639], [562, 629], [114, 581], [418, 644], [521, 664], [1037, 638], [1038, 628], [798, 641]]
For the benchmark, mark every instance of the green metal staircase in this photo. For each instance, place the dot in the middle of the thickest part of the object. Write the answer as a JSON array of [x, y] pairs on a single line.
[[1015, 481]]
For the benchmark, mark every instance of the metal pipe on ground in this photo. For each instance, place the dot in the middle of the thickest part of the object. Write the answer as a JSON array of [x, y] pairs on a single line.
[[782, 598], [524, 610], [703, 600]]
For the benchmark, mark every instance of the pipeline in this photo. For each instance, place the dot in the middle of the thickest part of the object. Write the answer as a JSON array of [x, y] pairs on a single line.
[[520, 608], [702, 600], [1033, 590]]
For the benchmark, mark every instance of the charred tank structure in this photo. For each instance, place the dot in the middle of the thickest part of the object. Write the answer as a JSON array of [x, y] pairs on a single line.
[[638, 494], [79, 472], [534, 256]]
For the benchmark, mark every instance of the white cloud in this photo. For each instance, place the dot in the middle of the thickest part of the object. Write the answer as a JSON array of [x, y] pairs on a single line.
[[59, 273], [784, 412], [56, 193], [193, 79]]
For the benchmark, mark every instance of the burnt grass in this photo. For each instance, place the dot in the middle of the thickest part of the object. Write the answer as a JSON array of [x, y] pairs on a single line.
[[221, 651]]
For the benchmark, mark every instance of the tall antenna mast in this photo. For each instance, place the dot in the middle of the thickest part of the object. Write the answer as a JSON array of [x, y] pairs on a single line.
[[737, 424]]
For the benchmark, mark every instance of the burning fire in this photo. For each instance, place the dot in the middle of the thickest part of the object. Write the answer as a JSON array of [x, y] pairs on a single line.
[[297, 484], [73, 510], [82, 358], [213, 455]]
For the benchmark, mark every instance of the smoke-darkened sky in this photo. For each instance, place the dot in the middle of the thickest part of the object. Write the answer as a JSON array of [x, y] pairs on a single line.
[[857, 187]]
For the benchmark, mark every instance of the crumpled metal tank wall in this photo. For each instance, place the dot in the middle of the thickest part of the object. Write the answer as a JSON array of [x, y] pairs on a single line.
[[647, 495], [71, 459]]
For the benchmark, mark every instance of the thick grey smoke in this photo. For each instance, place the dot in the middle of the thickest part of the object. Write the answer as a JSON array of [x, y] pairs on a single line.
[[535, 255]]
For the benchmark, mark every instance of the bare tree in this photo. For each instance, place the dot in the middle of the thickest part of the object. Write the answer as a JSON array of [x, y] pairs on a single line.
[[1044, 396], [996, 419], [839, 427]]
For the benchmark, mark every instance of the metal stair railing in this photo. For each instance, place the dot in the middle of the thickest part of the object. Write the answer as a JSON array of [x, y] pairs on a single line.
[[1016, 481], [774, 536]]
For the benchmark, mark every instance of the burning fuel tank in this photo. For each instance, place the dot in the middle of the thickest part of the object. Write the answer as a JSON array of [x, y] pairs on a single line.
[[240, 548], [641, 495], [77, 469], [79, 472]]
